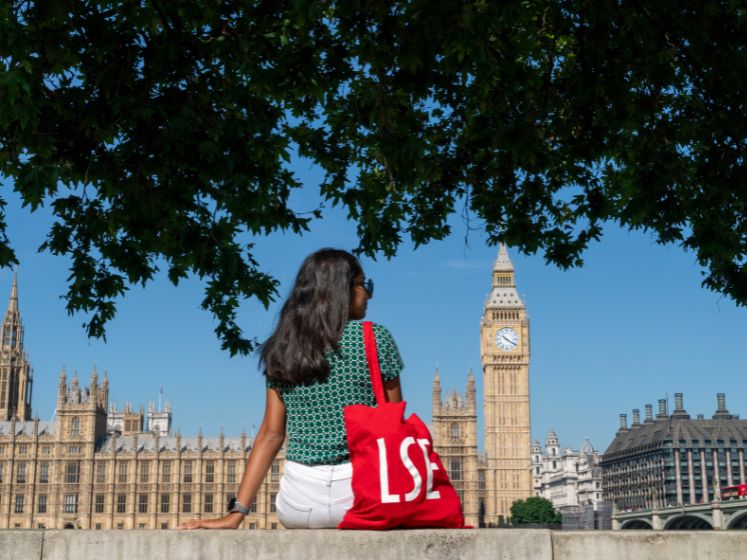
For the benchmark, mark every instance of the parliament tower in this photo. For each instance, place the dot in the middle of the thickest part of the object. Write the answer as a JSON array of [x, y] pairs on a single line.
[[455, 441], [504, 347], [15, 371]]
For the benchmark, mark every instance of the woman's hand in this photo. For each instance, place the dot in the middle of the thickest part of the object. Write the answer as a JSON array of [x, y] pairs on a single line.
[[228, 521], [267, 443]]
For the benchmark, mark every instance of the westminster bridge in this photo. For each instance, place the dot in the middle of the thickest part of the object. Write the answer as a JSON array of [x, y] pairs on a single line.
[[731, 514]]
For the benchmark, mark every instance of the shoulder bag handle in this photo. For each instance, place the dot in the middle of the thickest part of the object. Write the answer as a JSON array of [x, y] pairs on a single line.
[[372, 357]]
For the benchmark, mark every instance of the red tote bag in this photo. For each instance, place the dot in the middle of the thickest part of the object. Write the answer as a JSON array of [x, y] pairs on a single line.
[[398, 480]]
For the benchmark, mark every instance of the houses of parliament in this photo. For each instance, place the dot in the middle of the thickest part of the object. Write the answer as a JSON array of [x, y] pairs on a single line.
[[98, 467]]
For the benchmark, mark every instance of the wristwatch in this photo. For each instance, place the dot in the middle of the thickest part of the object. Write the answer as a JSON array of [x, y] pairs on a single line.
[[235, 505]]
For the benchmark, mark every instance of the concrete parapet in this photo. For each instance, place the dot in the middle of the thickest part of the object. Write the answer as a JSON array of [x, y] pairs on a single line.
[[493, 544], [649, 545], [281, 545], [20, 545]]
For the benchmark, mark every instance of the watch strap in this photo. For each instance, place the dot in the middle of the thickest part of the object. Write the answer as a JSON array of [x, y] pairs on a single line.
[[239, 507]]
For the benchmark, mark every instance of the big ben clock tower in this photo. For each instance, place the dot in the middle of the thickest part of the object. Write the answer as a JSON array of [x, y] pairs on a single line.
[[504, 346]]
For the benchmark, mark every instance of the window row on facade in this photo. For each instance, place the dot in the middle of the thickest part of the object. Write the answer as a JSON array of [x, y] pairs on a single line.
[[124, 472], [145, 502]]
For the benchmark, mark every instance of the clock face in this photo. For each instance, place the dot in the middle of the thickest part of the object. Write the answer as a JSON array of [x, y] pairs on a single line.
[[506, 339]]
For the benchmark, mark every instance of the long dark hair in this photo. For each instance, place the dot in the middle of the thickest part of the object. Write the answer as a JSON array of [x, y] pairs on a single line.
[[312, 318]]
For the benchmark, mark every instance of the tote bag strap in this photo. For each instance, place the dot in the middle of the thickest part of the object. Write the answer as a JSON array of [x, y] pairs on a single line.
[[372, 357]]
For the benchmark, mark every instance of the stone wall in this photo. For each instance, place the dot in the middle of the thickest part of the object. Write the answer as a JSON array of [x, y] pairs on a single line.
[[498, 544]]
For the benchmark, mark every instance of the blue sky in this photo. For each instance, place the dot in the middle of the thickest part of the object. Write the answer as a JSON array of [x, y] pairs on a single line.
[[630, 327]]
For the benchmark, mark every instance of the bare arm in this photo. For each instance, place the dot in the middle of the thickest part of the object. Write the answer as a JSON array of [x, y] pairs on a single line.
[[266, 445], [393, 390]]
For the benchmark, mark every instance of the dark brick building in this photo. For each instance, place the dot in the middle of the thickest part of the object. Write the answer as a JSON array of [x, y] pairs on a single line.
[[673, 459]]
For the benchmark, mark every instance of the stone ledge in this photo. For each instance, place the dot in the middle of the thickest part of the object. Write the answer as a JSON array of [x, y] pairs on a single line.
[[649, 545], [498, 544]]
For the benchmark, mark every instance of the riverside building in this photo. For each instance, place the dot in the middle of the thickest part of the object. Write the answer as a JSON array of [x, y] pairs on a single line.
[[97, 467], [565, 477], [572, 481], [673, 459], [82, 472]]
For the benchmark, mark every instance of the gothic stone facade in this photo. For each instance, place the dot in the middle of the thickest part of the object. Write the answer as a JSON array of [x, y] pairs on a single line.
[[454, 432], [504, 344], [16, 377], [72, 473], [96, 467], [503, 473]]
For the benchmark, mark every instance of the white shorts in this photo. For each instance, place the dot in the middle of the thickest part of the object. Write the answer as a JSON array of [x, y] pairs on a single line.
[[314, 497]]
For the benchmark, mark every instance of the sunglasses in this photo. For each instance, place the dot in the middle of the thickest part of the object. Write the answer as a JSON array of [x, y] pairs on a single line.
[[367, 285]]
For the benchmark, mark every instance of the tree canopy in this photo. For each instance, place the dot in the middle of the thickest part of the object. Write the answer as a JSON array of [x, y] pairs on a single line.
[[534, 510], [164, 132]]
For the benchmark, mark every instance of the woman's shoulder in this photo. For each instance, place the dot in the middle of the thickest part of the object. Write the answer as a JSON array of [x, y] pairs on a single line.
[[357, 326], [354, 331]]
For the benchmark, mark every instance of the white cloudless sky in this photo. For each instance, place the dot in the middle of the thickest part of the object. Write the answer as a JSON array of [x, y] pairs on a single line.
[[630, 327]]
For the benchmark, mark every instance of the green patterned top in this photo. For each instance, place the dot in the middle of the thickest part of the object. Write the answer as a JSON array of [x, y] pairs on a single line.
[[314, 420]]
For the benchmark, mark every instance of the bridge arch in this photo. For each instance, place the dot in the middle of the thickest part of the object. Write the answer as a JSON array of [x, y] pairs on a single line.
[[687, 522], [738, 522], [638, 524]]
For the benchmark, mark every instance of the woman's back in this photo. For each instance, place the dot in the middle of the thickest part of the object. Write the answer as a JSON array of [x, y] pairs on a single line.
[[314, 422]]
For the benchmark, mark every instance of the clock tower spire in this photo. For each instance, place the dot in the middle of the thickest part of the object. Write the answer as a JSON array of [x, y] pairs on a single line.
[[504, 344], [503, 271]]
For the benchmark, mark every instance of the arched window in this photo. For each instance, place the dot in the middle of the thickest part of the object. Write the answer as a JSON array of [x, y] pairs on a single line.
[[75, 427]]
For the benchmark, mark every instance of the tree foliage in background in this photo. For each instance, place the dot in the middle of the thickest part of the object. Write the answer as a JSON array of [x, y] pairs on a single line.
[[162, 133], [535, 510]]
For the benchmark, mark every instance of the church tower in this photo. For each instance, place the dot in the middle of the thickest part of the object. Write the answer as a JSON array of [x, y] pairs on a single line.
[[81, 412], [15, 370], [455, 441], [504, 347]]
